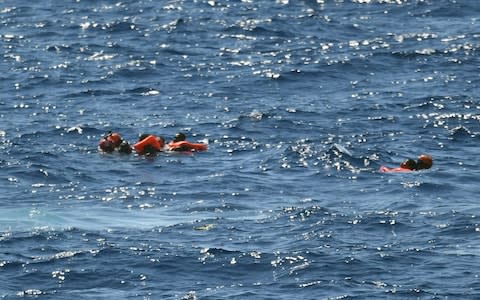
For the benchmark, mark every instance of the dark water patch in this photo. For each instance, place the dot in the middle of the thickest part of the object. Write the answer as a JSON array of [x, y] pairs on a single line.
[[461, 133]]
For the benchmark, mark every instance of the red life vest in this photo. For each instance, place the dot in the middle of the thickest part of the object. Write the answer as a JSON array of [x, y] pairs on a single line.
[[150, 140], [114, 138], [186, 146]]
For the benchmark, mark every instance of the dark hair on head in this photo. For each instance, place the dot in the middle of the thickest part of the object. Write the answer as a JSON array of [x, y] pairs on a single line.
[[409, 164], [421, 165], [125, 148], [180, 137]]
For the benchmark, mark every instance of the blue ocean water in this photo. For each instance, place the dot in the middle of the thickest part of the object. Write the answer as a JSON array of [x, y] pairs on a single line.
[[300, 103]]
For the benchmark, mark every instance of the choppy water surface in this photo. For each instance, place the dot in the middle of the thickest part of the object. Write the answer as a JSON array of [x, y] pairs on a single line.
[[300, 103]]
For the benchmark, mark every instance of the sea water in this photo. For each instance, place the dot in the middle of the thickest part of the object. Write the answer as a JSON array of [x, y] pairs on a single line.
[[300, 103]]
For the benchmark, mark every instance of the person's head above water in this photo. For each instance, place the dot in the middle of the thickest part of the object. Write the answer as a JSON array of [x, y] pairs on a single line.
[[409, 164], [125, 148], [106, 146], [179, 137], [424, 161], [114, 138]]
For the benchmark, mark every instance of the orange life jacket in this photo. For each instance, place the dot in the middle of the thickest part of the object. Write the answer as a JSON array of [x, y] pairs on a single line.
[[187, 146], [150, 140], [114, 138]]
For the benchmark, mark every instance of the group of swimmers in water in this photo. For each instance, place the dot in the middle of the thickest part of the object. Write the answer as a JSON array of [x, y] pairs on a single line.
[[147, 144]]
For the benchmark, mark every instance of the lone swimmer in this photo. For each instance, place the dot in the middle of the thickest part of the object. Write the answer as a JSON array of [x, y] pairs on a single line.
[[423, 162]]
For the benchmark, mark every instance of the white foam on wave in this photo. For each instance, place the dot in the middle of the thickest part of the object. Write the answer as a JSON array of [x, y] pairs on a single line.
[[89, 218]]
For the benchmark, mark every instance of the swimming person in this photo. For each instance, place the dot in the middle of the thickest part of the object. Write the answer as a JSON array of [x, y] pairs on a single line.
[[113, 141], [423, 162], [409, 164], [179, 143], [149, 144]]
